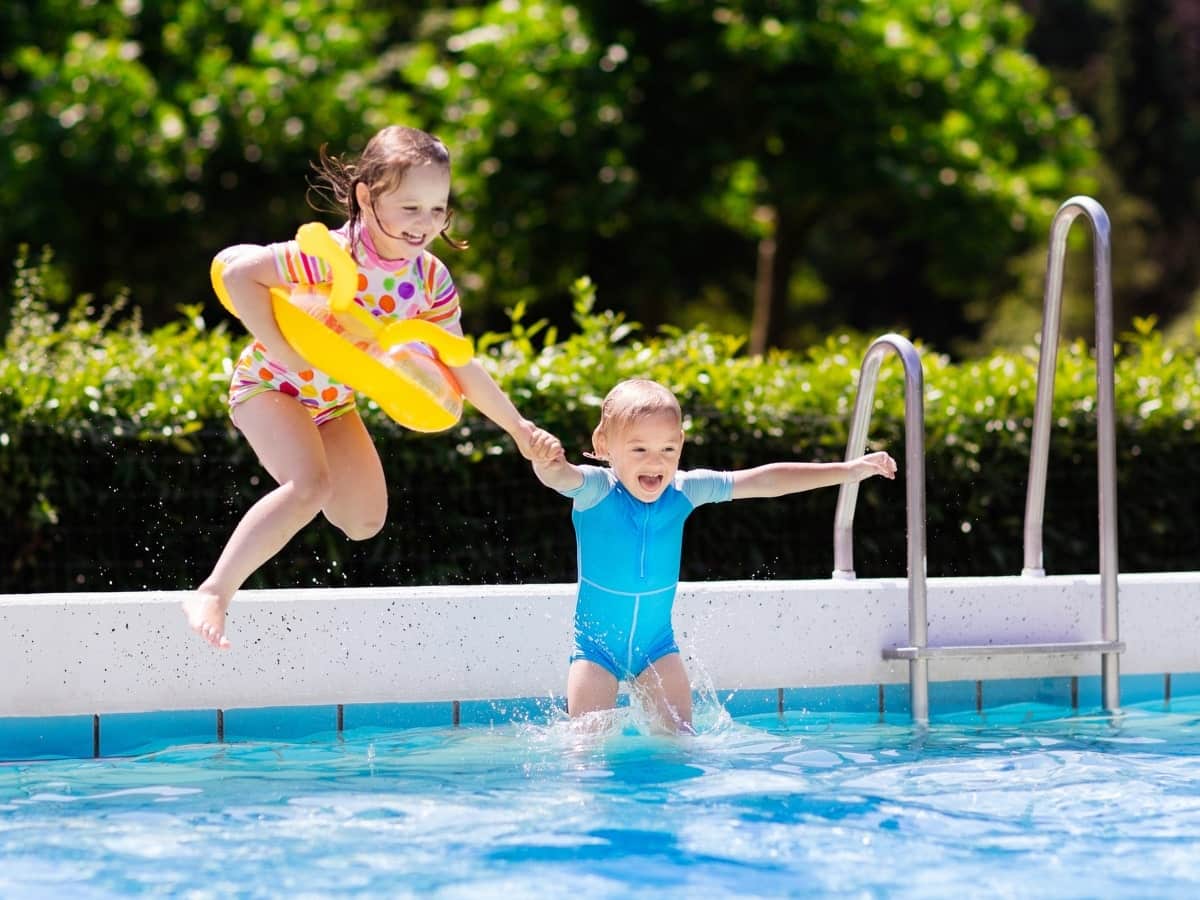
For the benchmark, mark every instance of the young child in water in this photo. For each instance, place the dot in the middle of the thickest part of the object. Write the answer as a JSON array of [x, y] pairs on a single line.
[[629, 530], [303, 425]]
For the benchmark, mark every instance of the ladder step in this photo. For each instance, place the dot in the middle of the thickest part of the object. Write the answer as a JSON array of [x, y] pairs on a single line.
[[1069, 647]]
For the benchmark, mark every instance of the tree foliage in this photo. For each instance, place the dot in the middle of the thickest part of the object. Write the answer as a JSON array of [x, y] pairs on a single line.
[[900, 150], [139, 139], [1134, 66], [897, 153]]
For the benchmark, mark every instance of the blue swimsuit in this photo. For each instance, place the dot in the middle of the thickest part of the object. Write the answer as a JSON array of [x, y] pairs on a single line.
[[629, 565]]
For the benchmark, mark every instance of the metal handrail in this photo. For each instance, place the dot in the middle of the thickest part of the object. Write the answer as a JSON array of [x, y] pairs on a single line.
[[1039, 451], [914, 475]]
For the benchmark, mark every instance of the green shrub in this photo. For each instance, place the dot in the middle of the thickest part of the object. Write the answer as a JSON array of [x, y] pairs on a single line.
[[119, 469]]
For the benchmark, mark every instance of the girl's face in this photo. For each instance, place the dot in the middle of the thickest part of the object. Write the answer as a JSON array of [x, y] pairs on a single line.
[[404, 221], [644, 454]]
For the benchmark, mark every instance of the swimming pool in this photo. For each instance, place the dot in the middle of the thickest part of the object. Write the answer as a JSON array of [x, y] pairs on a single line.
[[1024, 800]]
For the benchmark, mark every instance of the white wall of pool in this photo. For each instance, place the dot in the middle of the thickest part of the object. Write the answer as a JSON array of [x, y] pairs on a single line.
[[91, 654]]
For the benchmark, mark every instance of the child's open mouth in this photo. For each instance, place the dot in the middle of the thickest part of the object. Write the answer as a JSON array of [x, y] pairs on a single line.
[[413, 238], [650, 482]]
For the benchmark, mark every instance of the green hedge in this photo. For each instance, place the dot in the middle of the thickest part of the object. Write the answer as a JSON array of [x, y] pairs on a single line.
[[119, 470]]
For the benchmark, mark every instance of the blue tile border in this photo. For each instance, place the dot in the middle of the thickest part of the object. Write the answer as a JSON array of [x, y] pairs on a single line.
[[847, 698], [948, 697], [1010, 691], [538, 710], [127, 734], [397, 716], [36, 737], [750, 702], [993, 701], [895, 702], [1141, 688], [279, 723], [1182, 685]]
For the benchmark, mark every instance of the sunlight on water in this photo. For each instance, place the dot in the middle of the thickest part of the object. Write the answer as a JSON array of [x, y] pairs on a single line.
[[804, 804]]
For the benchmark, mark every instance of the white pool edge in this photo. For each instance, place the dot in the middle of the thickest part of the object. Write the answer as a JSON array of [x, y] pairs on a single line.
[[97, 653]]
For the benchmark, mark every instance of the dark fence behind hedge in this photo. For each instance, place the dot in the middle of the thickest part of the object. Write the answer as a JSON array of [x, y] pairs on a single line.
[[134, 515]]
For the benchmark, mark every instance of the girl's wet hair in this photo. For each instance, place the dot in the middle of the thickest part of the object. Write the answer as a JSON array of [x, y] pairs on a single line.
[[631, 401], [381, 167]]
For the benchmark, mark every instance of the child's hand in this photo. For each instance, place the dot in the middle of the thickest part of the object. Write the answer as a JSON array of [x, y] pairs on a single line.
[[875, 464], [539, 445]]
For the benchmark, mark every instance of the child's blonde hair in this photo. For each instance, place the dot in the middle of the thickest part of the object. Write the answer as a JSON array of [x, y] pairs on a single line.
[[631, 401]]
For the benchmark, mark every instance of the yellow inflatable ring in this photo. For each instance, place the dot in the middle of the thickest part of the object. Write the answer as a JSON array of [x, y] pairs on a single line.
[[400, 365]]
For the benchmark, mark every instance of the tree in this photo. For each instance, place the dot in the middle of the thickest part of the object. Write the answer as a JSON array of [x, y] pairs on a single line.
[[896, 155], [883, 159], [139, 139], [1134, 65]]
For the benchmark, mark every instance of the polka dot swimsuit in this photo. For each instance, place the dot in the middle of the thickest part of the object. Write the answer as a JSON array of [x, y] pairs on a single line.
[[387, 288]]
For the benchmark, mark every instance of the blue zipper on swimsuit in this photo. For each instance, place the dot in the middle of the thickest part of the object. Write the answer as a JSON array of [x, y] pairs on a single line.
[[638, 599], [645, 532]]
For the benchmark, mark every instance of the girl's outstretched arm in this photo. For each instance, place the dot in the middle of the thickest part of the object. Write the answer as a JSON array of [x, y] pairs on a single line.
[[778, 479], [481, 389]]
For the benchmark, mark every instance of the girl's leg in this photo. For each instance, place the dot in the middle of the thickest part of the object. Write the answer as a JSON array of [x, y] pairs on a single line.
[[357, 503], [665, 681], [288, 445], [590, 688]]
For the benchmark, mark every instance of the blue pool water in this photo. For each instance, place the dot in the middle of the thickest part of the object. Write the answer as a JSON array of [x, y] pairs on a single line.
[[1024, 801]]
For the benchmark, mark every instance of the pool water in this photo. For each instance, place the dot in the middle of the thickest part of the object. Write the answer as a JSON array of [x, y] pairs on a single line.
[[1023, 801]]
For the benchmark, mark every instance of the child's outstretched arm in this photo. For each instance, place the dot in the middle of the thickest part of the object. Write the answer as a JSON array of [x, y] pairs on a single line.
[[778, 479], [481, 389]]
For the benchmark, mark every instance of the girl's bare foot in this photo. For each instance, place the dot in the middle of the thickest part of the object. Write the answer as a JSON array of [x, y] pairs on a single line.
[[205, 613]]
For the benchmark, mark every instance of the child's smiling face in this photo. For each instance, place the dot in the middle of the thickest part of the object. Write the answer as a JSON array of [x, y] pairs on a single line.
[[405, 221], [644, 454]]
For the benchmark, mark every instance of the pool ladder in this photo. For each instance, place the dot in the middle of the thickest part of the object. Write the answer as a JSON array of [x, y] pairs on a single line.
[[918, 652]]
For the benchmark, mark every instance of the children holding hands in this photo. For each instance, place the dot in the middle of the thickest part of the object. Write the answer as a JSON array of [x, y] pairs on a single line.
[[306, 431]]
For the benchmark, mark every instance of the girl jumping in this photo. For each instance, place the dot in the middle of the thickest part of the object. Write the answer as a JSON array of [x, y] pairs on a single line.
[[302, 424]]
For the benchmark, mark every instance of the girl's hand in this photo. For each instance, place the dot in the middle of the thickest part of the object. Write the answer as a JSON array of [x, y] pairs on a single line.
[[874, 464], [550, 463], [538, 445]]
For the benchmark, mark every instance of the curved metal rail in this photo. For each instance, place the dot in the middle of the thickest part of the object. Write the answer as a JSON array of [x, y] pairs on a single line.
[[918, 652], [1043, 416], [914, 476]]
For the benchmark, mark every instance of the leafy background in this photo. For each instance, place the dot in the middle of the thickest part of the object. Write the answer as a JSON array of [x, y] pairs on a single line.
[[731, 196], [773, 168], [120, 470]]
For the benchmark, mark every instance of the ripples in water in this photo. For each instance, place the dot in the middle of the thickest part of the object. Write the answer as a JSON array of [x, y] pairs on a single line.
[[799, 805]]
